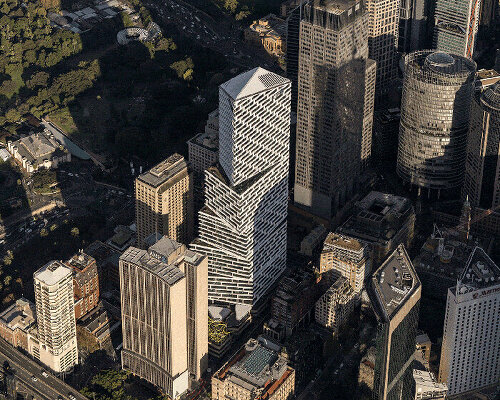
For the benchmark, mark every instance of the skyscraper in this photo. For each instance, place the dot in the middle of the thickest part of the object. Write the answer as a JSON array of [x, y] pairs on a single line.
[[395, 296], [292, 49], [243, 224], [437, 92], [55, 341], [336, 86], [383, 24], [455, 26], [413, 20], [470, 352], [482, 166], [164, 314]]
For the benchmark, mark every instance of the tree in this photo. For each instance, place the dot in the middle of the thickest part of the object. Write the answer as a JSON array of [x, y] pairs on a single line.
[[44, 232], [7, 280], [75, 232], [12, 115], [53, 227]]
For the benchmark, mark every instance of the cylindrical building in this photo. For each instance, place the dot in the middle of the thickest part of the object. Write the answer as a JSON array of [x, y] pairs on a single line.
[[437, 92], [482, 167]]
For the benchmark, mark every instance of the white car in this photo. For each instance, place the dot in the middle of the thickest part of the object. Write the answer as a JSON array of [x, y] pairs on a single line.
[[34, 378], [45, 374]]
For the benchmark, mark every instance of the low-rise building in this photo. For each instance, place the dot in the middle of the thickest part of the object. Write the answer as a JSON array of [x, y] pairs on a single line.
[[424, 345], [16, 321], [348, 257], [382, 220], [270, 32], [99, 324], [426, 387], [311, 242], [385, 136], [107, 260], [85, 283], [39, 150], [257, 371], [334, 308]]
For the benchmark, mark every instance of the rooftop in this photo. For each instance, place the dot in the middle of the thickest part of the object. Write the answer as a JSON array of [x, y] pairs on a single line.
[[394, 282], [39, 146], [207, 140], [425, 382], [336, 7], [80, 261], [163, 171], [344, 242], [480, 270], [52, 273], [20, 315], [252, 82]]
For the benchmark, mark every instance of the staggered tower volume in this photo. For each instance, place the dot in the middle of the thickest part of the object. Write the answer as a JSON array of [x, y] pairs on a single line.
[[437, 93], [482, 167], [336, 89], [243, 224]]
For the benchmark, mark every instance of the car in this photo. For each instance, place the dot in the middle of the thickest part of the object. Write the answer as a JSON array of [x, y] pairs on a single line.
[[34, 378], [45, 374], [71, 396]]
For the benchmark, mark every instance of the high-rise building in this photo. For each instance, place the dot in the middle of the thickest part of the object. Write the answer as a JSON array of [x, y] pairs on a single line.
[[470, 352], [336, 89], [164, 315], [482, 166], [488, 12], [292, 48], [85, 283], [383, 38], [413, 20], [437, 92], [455, 26], [395, 296], [54, 343], [347, 257], [243, 224], [164, 201], [257, 371], [334, 308]]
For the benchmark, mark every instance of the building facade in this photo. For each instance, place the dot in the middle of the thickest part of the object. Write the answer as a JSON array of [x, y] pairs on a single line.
[[85, 283], [54, 343], [347, 257], [482, 166], [270, 33], [455, 26], [16, 322], [334, 308], [165, 337], [336, 89], [242, 227], [437, 93], [395, 296], [383, 25], [256, 372], [164, 201], [471, 338]]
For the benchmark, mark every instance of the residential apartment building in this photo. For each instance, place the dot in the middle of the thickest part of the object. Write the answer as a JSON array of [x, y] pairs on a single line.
[[383, 26], [470, 352], [16, 322], [334, 308], [242, 227], [54, 342], [85, 283], [383, 221], [482, 165], [395, 292], [437, 93], [347, 257], [336, 89], [257, 371], [164, 201], [455, 26], [164, 310]]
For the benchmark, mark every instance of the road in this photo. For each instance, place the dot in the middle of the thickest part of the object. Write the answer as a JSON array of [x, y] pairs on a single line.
[[25, 368], [222, 36]]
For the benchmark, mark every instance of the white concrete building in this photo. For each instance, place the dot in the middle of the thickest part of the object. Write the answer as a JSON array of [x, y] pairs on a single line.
[[243, 224], [54, 342], [470, 355]]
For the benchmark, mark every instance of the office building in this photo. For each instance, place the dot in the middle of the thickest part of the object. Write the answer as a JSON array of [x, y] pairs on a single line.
[[16, 322], [482, 165], [471, 338], [243, 223], [334, 308], [383, 221], [489, 9], [336, 84], [164, 315], [54, 342], [395, 297], [347, 257], [257, 371], [383, 25], [85, 283], [385, 137], [437, 92], [292, 47], [455, 26], [413, 20], [164, 201]]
